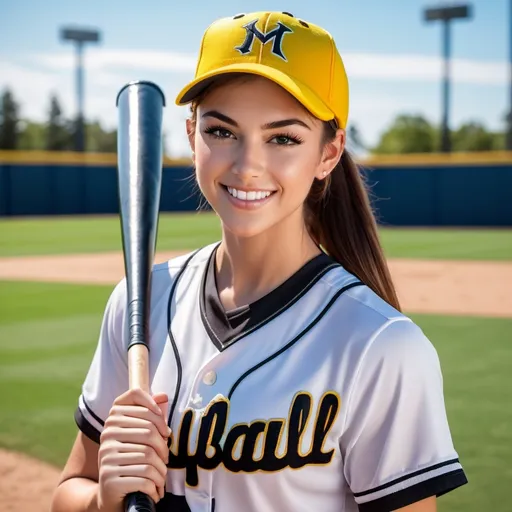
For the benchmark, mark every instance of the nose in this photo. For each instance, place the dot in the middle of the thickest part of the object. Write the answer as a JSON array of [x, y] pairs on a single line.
[[249, 161]]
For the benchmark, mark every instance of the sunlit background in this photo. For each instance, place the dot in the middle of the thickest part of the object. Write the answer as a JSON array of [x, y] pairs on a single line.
[[392, 55], [432, 135]]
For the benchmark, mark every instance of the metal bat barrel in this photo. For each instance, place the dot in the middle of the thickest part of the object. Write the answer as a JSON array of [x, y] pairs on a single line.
[[140, 155], [140, 176]]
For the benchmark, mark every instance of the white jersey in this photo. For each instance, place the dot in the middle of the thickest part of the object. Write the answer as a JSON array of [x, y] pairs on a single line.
[[319, 396]]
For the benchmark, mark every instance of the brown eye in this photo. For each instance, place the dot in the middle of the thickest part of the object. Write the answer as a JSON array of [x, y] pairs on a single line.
[[218, 132]]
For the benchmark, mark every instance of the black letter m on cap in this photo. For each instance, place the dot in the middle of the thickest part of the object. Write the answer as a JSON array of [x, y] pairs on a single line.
[[276, 35]]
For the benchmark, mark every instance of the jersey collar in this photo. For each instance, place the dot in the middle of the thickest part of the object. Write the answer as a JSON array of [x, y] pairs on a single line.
[[226, 327]]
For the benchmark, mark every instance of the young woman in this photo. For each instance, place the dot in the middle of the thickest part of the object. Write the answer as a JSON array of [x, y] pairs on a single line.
[[284, 376]]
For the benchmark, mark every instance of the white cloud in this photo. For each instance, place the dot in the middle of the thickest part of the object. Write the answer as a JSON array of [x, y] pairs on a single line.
[[359, 65], [99, 60], [424, 68]]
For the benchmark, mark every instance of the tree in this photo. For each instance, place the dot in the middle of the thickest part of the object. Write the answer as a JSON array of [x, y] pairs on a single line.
[[57, 136], [499, 141], [472, 137], [408, 134], [32, 136], [9, 121], [99, 140]]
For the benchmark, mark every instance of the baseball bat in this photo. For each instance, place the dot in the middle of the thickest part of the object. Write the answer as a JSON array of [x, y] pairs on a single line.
[[139, 164]]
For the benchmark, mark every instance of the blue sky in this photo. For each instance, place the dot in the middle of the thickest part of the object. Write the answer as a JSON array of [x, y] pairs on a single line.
[[392, 56]]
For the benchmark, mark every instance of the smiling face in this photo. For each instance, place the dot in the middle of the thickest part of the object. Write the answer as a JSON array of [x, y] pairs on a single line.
[[257, 152]]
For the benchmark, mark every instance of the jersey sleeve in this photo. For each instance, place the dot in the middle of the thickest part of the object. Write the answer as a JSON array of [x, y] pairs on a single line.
[[396, 445], [107, 376]]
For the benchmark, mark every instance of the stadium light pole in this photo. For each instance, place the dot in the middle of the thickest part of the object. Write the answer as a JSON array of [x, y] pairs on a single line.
[[80, 37], [446, 14], [509, 113]]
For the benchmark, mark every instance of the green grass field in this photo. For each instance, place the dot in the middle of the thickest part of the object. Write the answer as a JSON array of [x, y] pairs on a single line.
[[187, 231], [48, 334]]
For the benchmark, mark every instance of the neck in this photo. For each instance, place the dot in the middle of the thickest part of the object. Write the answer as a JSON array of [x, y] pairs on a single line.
[[249, 268]]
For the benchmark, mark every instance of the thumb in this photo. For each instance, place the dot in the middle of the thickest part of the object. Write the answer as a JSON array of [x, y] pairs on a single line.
[[162, 400]]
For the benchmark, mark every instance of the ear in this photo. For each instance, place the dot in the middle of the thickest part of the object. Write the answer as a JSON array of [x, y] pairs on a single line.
[[191, 138], [331, 154]]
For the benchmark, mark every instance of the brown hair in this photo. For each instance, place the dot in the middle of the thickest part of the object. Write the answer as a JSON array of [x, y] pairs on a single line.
[[340, 219]]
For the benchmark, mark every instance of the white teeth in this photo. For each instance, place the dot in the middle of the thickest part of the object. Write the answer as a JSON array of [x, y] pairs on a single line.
[[253, 195]]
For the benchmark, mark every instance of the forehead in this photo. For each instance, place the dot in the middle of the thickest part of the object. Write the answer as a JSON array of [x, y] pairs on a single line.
[[255, 95]]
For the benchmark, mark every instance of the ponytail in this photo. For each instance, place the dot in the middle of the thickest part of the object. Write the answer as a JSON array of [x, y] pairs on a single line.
[[340, 219]]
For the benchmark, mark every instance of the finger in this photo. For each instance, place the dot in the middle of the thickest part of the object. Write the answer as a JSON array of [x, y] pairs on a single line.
[[136, 417], [136, 458], [161, 398], [123, 486], [163, 402], [146, 450], [138, 397], [134, 436], [142, 471]]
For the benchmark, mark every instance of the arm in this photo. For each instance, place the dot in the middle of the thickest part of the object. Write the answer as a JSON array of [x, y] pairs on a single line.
[[428, 505], [78, 485], [122, 443]]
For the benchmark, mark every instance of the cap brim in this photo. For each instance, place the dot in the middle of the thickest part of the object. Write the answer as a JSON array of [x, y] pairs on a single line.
[[297, 89]]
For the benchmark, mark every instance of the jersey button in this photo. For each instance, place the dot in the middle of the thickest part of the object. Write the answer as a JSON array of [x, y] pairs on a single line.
[[210, 378]]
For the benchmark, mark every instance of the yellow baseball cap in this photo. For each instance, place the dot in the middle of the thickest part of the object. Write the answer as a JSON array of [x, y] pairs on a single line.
[[299, 56]]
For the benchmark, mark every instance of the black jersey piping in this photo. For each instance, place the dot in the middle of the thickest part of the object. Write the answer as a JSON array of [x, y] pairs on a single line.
[[173, 341], [91, 432], [223, 345], [91, 412], [407, 477], [297, 338], [437, 486]]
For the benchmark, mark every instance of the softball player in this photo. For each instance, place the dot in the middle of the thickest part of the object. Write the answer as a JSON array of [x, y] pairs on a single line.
[[284, 376]]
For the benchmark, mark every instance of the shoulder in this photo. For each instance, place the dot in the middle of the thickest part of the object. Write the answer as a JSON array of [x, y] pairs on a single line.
[[197, 258], [163, 276], [373, 326]]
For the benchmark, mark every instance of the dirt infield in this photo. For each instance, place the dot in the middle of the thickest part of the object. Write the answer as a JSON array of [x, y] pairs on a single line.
[[440, 287], [424, 286], [26, 484]]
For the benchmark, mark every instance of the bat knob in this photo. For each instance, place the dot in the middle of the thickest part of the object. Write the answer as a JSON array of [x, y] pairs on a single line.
[[139, 502]]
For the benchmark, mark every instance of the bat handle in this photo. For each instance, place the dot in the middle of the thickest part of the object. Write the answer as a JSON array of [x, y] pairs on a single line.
[[139, 378], [139, 502]]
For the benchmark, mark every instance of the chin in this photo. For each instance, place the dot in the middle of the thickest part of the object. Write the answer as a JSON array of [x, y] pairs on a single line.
[[244, 230]]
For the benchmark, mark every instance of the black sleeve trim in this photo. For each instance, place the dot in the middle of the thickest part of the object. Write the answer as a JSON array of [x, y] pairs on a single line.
[[437, 486], [86, 427], [91, 412], [407, 477]]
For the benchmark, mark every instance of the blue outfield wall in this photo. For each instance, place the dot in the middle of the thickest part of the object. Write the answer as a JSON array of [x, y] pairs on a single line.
[[72, 190], [442, 195], [410, 190]]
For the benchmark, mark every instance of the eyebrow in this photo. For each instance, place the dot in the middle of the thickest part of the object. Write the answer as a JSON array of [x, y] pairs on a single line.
[[268, 126]]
